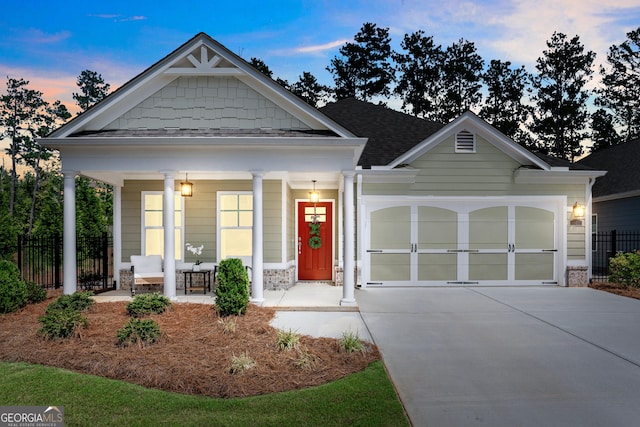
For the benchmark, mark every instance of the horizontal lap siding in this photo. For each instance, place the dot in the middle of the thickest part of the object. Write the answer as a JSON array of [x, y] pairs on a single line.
[[201, 216]]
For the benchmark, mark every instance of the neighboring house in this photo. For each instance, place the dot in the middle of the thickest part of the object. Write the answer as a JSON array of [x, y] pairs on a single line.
[[418, 204], [616, 203], [616, 196]]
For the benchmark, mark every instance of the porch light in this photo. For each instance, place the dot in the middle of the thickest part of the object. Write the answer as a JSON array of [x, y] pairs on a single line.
[[577, 214], [186, 187], [314, 196]]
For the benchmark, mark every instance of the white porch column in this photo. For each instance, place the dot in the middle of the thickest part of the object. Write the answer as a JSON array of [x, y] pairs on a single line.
[[348, 285], [70, 275], [117, 233], [257, 281], [168, 213]]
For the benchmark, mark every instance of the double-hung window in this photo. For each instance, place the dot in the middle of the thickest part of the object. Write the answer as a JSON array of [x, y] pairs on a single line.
[[153, 226], [235, 224]]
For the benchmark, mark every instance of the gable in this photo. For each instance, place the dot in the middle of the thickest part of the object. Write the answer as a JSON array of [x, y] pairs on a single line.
[[207, 102], [193, 88]]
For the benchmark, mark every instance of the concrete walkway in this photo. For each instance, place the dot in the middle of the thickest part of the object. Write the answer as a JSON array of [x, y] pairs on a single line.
[[509, 356]]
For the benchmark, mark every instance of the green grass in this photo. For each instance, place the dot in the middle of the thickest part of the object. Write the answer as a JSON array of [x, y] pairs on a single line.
[[366, 398]]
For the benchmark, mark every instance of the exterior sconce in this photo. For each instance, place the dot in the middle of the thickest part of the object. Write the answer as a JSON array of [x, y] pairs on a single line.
[[186, 187], [577, 214], [314, 196]]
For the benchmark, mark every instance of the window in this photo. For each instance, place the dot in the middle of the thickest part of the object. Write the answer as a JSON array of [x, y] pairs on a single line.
[[152, 226], [235, 224], [465, 142]]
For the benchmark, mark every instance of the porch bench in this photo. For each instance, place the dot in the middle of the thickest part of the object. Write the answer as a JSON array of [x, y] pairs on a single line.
[[146, 270]]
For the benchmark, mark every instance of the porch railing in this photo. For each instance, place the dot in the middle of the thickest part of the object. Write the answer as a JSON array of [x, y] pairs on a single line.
[[40, 260]]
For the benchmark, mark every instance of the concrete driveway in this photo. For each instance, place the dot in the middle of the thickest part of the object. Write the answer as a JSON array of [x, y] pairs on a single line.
[[509, 356]]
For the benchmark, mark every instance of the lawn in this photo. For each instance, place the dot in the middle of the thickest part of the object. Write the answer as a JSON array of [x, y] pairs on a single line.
[[366, 398]]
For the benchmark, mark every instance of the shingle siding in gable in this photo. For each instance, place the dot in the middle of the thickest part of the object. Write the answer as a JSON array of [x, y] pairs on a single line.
[[209, 103]]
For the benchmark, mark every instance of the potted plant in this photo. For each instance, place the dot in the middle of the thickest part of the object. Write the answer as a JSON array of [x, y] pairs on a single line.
[[197, 251]]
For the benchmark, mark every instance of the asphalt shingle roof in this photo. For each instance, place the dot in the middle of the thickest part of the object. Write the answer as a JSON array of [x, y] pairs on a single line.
[[391, 133], [622, 163]]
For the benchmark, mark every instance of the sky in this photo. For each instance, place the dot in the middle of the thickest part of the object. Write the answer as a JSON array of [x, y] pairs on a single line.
[[49, 43]]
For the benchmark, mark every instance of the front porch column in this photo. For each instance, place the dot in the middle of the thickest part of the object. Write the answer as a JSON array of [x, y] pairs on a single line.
[[70, 276], [348, 284], [168, 223], [257, 293], [117, 232]]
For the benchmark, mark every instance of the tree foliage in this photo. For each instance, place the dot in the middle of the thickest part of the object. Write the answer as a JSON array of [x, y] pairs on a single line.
[[420, 85], [620, 91], [364, 70], [308, 88], [560, 118], [603, 130], [93, 89], [503, 106]]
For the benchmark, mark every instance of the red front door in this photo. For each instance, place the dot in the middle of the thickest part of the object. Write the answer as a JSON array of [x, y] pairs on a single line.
[[315, 223]]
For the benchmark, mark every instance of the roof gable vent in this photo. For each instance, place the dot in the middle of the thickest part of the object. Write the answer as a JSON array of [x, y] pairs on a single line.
[[465, 142]]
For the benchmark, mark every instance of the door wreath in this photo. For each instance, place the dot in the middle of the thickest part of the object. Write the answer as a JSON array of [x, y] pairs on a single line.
[[315, 242]]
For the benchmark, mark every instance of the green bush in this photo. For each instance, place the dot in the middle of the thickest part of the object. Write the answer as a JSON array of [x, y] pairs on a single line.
[[13, 290], [62, 323], [624, 268], [35, 293], [138, 331], [145, 304], [232, 288], [78, 301]]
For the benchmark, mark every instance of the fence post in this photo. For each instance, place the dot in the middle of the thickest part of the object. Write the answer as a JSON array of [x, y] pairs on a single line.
[[57, 251], [105, 259], [614, 242]]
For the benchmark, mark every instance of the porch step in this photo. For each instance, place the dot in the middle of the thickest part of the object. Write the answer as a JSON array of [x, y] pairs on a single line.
[[316, 282]]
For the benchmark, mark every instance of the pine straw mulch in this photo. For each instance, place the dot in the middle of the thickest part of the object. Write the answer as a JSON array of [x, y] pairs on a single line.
[[193, 355], [616, 289]]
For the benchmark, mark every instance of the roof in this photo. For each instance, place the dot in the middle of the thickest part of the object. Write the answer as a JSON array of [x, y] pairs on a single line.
[[621, 163], [391, 133]]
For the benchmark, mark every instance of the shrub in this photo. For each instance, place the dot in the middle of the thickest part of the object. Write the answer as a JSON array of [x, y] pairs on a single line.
[[13, 290], [287, 340], [62, 323], [78, 301], [232, 288], [241, 363], [145, 304], [624, 268], [228, 325], [139, 331], [306, 361], [350, 343], [35, 293]]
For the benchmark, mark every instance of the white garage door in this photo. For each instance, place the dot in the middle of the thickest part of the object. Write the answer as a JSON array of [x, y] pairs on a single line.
[[461, 242]]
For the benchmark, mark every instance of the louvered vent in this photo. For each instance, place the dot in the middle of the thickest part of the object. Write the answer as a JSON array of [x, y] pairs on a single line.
[[465, 142]]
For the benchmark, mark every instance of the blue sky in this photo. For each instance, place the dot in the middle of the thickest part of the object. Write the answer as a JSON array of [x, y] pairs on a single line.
[[49, 43]]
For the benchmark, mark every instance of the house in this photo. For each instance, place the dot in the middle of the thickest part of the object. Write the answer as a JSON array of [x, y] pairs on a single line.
[[616, 196], [305, 194], [616, 203]]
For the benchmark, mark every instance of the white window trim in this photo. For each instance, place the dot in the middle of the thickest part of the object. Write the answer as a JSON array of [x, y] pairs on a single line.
[[143, 228], [219, 227]]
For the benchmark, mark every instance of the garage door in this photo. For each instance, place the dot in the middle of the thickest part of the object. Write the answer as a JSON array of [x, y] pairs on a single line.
[[458, 242]]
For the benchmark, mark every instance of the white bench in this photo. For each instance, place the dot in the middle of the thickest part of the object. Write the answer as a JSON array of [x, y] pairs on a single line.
[[146, 270]]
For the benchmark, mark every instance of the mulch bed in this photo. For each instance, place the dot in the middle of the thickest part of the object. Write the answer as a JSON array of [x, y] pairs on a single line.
[[616, 289], [193, 355]]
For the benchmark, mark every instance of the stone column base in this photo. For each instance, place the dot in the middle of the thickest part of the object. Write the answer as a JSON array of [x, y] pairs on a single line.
[[577, 276]]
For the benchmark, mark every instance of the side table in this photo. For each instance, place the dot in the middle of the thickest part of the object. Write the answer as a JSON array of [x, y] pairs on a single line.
[[206, 279]]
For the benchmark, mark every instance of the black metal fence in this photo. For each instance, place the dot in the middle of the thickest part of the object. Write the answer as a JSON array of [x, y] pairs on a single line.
[[606, 244], [40, 261]]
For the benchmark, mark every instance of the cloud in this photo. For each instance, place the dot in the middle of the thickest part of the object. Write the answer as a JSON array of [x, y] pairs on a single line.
[[118, 18], [320, 47], [36, 36]]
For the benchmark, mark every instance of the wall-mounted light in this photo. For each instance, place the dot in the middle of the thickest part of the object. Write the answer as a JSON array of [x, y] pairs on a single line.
[[577, 214], [186, 187], [314, 196]]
